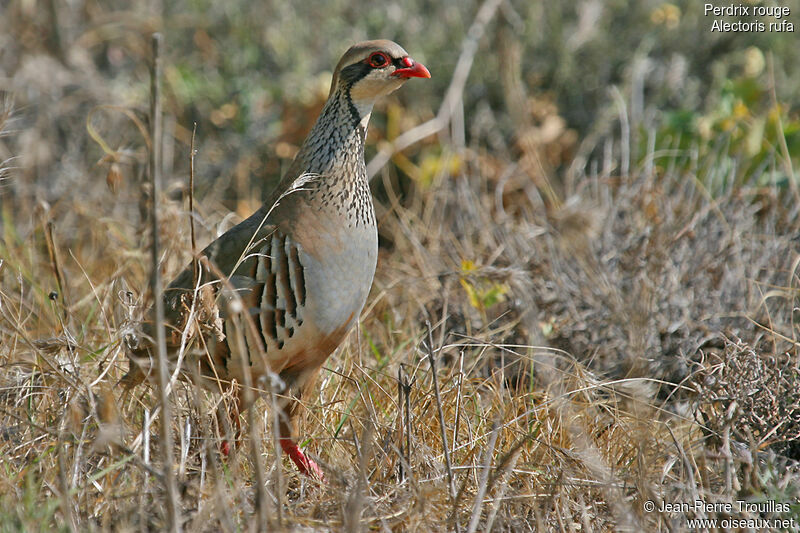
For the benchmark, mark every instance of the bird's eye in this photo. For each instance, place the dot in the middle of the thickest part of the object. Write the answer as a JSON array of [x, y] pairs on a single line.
[[378, 60]]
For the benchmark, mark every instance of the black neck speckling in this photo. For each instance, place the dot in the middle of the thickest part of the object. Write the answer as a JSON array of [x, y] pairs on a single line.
[[334, 152]]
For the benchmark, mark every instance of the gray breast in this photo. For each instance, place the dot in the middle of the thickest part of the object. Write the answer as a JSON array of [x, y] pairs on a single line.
[[339, 280]]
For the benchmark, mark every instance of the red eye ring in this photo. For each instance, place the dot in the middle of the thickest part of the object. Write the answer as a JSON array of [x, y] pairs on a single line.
[[378, 60]]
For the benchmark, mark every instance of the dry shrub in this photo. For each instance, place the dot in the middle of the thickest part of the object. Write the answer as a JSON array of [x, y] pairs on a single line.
[[750, 397], [580, 325]]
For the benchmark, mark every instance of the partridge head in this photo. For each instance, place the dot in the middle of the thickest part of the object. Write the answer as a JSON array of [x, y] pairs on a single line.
[[372, 69]]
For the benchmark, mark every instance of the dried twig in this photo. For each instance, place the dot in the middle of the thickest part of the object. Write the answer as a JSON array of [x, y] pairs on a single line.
[[276, 446], [195, 265], [400, 419], [249, 400], [458, 397], [447, 463], [55, 261], [404, 406], [487, 465], [63, 486], [356, 499], [173, 502], [500, 493]]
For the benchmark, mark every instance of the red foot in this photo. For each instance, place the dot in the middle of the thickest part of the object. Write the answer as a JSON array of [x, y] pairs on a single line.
[[225, 448], [304, 464]]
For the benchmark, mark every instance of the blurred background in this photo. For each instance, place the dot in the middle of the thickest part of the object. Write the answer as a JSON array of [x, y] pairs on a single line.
[[252, 76]]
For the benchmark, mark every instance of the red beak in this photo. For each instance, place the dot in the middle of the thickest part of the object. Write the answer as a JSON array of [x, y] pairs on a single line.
[[412, 69]]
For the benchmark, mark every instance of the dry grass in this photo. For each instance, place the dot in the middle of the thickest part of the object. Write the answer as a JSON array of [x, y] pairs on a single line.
[[624, 335], [568, 447]]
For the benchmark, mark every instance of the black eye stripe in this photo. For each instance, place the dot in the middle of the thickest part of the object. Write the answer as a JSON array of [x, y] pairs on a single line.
[[352, 73]]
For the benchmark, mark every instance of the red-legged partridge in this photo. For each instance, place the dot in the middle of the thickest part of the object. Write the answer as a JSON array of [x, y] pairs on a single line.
[[302, 265]]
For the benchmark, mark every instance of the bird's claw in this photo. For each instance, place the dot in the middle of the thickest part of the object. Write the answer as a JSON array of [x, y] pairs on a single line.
[[305, 465]]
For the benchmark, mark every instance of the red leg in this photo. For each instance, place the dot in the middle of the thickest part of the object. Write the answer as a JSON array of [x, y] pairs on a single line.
[[225, 447], [304, 464], [234, 410], [287, 417]]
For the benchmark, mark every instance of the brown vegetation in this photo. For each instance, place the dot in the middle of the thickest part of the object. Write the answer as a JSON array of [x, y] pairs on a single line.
[[610, 293]]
